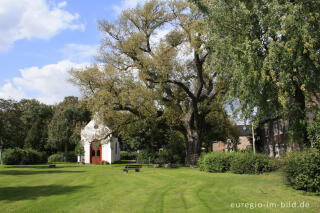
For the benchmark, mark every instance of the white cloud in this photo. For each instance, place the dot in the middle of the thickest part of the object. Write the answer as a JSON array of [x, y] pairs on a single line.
[[79, 52], [27, 19], [126, 4], [62, 4], [8, 91], [49, 84]]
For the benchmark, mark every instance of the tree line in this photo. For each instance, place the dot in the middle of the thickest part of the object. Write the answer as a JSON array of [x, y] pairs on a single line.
[[31, 124]]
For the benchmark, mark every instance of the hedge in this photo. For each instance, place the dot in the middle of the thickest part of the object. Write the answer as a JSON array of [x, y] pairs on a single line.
[[237, 162], [248, 163], [302, 170], [59, 157], [18, 156], [124, 155], [215, 162]]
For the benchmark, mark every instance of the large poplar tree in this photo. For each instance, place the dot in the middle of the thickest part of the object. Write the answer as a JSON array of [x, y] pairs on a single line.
[[143, 75]]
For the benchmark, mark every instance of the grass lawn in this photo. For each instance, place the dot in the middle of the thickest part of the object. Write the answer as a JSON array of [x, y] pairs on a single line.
[[101, 188]]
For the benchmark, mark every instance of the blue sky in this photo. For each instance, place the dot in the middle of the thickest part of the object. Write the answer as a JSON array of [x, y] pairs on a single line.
[[41, 39]]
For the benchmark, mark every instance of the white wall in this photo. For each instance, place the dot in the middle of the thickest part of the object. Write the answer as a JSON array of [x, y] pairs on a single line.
[[86, 152], [95, 131]]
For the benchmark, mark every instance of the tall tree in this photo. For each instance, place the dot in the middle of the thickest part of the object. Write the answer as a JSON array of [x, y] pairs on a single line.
[[150, 76], [64, 128], [35, 117], [270, 50], [12, 129]]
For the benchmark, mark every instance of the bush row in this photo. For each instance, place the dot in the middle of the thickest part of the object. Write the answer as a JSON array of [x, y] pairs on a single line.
[[17, 156], [162, 157], [124, 155], [59, 157], [302, 170], [237, 162]]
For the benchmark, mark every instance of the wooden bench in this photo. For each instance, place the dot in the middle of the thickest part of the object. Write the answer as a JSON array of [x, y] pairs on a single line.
[[135, 167]]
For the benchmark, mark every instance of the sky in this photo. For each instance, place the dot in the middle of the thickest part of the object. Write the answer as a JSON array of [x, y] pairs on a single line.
[[40, 40]]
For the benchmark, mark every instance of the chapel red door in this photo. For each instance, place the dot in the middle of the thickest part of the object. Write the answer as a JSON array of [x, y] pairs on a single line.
[[96, 154]]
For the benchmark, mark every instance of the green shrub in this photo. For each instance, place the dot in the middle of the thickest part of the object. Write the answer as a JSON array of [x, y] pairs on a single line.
[[237, 162], [302, 170], [144, 156], [79, 150], [124, 155], [32, 156], [248, 163], [215, 162], [314, 132], [12, 156], [164, 157], [59, 157], [18, 156]]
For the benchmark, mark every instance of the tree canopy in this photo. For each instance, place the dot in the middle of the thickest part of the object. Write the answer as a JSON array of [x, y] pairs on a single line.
[[64, 128], [24, 123], [143, 75], [270, 51]]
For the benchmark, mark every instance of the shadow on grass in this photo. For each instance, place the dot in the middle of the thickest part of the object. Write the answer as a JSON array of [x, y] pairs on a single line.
[[45, 166], [36, 172], [33, 192]]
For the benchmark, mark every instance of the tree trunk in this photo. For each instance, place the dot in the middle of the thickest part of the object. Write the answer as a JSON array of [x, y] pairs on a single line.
[[193, 124], [193, 147], [253, 140], [299, 113]]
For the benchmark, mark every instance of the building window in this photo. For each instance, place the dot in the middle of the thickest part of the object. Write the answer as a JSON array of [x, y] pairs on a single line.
[[98, 153], [93, 153]]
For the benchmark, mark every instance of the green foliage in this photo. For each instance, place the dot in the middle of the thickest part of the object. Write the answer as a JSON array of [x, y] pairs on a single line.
[[237, 162], [269, 52], [59, 157], [150, 133], [24, 124], [12, 156], [124, 155], [219, 127], [164, 157], [12, 129], [314, 132], [215, 161], [64, 128], [35, 117], [145, 155], [302, 170], [248, 163], [79, 150], [32, 156], [175, 148], [17, 156]]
